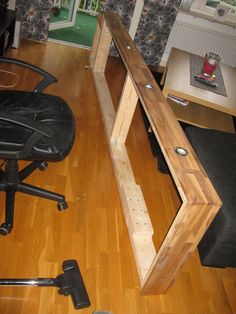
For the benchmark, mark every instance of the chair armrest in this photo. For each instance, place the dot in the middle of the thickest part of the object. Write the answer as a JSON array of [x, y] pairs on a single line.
[[47, 77], [27, 123]]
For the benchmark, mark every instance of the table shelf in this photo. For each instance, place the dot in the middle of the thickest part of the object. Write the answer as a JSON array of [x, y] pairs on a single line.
[[206, 108], [203, 116]]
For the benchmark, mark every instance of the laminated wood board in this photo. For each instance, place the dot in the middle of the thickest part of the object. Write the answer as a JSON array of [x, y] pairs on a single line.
[[157, 269]]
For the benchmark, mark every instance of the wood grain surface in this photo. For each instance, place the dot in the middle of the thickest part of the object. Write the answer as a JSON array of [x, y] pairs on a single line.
[[199, 200], [93, 229]]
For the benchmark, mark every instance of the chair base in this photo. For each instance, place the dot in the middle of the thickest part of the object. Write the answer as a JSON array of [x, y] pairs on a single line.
[[11, 181]]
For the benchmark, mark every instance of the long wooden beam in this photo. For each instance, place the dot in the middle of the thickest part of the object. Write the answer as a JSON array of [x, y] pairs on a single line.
[[200, 202]]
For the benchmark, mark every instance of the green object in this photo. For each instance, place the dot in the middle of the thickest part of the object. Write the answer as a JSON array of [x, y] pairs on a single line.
[[81, 33], [212, 3]]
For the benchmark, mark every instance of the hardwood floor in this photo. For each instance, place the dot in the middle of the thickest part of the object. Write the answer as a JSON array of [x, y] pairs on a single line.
[[93, 230]]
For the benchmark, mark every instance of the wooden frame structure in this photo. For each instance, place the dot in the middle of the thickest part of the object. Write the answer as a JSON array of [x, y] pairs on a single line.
[[200, 203]]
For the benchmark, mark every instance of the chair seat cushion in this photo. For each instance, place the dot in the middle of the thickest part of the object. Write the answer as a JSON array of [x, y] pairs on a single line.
[[48, 110]]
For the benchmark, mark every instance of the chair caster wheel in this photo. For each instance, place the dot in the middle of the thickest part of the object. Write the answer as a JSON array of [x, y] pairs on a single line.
[[62, 206], [5, 229], [43, 166]]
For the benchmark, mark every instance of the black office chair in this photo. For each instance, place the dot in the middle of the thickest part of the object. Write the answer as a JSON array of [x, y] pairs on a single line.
[[35, 127]]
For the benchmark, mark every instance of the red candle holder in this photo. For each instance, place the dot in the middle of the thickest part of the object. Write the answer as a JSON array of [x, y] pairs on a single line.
[[211, 61]]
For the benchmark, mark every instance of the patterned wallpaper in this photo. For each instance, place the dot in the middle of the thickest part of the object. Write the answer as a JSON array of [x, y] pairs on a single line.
[[34, 15], [157, 19], [154, 27], [124, 8]]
